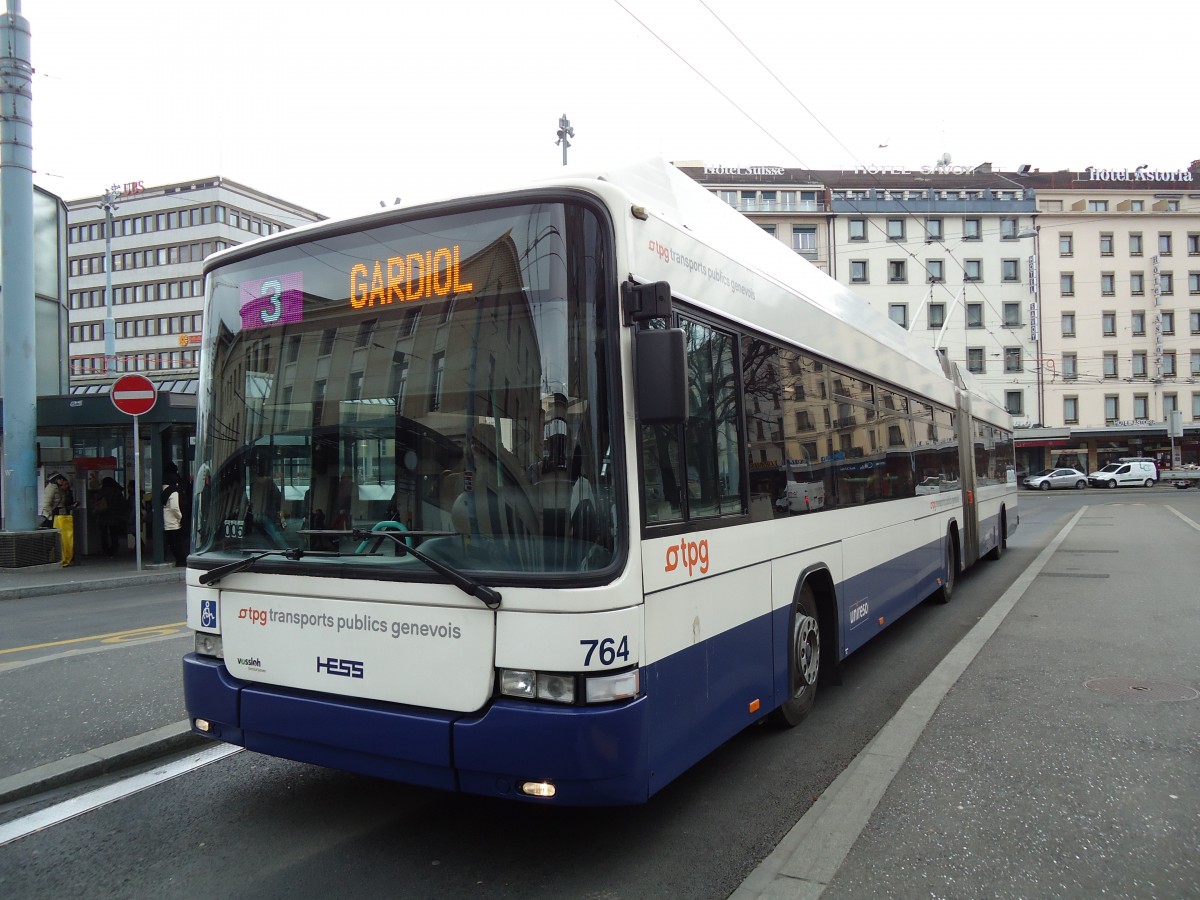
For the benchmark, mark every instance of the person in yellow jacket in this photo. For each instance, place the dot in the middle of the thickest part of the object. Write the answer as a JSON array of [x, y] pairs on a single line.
[[55, 510]]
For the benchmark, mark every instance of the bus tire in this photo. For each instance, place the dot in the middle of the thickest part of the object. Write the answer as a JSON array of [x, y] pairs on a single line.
[[945, 593], [804, 660]]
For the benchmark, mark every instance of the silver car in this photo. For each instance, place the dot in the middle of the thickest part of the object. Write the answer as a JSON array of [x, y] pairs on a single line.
[[1057, 478]]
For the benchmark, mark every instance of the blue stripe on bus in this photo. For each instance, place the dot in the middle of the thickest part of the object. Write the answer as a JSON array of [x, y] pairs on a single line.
[[692, 702]]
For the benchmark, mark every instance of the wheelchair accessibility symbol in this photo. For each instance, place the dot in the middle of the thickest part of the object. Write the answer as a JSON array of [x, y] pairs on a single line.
[[208, 613]]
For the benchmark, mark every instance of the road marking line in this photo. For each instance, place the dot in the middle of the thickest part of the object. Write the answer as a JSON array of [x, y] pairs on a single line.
[[15, 664], [1185, 518], [111, 636], [85, 803]]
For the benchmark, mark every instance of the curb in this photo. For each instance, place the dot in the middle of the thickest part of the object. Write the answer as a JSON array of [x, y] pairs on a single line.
[[100, 584], [117, 755]]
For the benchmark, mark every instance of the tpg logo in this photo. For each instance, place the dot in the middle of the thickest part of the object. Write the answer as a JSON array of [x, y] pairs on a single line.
[[347, 668], [664, 253], [256, 616], [688, 553]]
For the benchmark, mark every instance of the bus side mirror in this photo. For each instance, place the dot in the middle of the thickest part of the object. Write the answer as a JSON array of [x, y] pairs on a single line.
[[660, 376]]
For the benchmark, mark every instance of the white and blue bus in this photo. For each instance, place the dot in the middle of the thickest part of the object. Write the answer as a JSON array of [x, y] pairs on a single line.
[[545, 494]]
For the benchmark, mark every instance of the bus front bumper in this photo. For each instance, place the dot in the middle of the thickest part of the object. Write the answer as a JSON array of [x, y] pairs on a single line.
[[591, 755]]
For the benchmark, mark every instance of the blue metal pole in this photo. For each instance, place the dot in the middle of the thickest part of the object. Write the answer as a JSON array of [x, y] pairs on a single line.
[[18, 386]]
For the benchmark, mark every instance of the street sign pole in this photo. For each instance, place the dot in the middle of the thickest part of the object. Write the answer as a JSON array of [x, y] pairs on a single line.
[[135, 395], [137, 481]]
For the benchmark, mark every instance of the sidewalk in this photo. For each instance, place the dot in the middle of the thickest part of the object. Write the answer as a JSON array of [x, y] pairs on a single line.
[[88, 574], [1052, 753]]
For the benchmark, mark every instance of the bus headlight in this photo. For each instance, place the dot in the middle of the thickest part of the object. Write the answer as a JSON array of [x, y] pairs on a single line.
[[518, 683], [209, 645], [559, 688], [606, 688]]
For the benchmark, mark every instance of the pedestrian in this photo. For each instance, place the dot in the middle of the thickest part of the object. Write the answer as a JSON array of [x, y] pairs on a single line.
[[111, 511], [173, 531], [57, 503]]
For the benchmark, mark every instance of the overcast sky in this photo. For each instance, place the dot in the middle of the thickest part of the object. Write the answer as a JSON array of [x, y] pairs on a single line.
[[337, 106]]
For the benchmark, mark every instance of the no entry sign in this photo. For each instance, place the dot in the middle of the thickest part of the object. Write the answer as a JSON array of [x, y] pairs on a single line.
[[134, 394]]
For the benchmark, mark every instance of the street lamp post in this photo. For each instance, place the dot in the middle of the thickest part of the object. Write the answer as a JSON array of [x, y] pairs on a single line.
[[108, 203], [564, 131], [1035, 316]]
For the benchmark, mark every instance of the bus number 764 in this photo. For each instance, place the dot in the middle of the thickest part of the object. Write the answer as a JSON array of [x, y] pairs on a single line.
[[610, 650]]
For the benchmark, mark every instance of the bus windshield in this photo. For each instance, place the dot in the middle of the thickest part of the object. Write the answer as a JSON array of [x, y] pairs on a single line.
[[447, 379]]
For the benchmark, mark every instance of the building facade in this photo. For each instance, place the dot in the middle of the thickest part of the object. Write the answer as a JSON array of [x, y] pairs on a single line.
[[977, 260], [160, 237]]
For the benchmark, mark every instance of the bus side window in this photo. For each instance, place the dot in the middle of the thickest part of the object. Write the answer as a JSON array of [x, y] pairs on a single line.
[[661, 471]]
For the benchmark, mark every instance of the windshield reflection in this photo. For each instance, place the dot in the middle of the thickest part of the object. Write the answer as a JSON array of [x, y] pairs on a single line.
[[373, 381]]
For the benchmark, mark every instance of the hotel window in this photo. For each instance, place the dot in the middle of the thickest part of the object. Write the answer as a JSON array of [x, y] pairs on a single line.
[[1170, 404], [858, 229], [1112, 408], [1008, 229], [937, 315], [729, 197], [898, 313], [1137, 205], [1193, 244], [1068, 324], [1168, 321], [1070, 367], [1164, 243], [1168, 364], [1141, 406], [972, 230], [1135, 243], [1066, 284], [769, 229], [933, 229], [973, 270], [1071, 410], [768, 200], [1010, 270], [1014, 401], [935, 271], [1110, 364], [1066, 244], [1139, 363], [1194, 282], [858, 271], [975, 360], [804, 239], [1137, 283], [897, 273], [1012, 315], [1172, 206], [1012, 359], [974, 315], [1108, 324], [1195, 366], [1108, 284], [1106, 244], [1137, 322], [1097, 206], [895, 229]]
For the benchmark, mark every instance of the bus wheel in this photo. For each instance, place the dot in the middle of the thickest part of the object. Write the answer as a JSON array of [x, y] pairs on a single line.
[[946, 591], [804, 660]]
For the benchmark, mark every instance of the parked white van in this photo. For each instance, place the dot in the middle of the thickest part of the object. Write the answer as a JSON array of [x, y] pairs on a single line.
[[1130, 470]]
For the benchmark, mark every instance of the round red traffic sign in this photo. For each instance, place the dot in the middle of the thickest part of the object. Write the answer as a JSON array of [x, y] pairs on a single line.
[[134, 394]]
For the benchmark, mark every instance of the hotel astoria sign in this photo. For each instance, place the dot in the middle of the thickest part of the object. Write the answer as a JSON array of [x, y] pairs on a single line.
[[1141, 173]]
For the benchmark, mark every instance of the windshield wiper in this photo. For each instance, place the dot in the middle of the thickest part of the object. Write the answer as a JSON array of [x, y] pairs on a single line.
[[469, 586], [212, 576]]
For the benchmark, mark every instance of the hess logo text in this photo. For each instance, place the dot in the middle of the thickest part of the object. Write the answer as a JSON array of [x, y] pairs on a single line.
[[347, 668]]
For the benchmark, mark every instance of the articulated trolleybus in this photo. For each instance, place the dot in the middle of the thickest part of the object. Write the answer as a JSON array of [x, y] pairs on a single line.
[[545, 494]]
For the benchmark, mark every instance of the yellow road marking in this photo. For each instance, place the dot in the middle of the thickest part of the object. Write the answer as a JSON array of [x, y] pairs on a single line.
[[114, 637]]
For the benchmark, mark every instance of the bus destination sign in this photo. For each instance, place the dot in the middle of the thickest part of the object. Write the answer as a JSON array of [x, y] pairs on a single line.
[[400, 279]]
